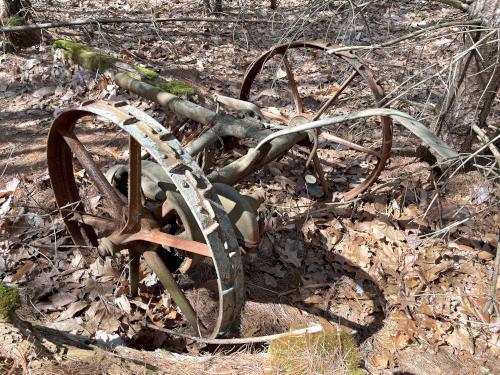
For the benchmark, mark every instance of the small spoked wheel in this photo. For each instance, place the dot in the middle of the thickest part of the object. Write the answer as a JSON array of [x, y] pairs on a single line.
[[306, 81], [162, 210]]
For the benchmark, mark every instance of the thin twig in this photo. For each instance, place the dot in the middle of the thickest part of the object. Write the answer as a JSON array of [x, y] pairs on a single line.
[[481, 135], [310, 286], [466, 160], [389, 43], [100, 21]]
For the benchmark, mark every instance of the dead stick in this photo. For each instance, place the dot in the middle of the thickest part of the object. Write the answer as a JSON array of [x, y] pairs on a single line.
[[240, 341], [493, 290], [50, 25], [481, 135]]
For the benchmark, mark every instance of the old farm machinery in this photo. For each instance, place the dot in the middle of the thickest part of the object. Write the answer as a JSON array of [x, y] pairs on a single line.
[[186, 219]]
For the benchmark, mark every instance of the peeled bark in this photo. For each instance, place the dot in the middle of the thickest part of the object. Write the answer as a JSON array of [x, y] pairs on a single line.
[[474, 81]]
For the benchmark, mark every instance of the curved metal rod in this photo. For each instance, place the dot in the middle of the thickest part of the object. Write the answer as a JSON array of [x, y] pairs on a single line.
[[227, 127], [416, 127]]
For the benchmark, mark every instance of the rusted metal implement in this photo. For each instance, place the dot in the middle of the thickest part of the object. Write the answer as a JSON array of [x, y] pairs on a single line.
[[163, 203], [300, 116]]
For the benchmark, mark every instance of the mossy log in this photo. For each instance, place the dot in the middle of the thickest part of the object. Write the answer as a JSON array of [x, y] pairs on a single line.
[[124, 74]]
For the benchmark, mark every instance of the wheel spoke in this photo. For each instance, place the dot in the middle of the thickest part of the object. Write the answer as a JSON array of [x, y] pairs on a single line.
[[165, 239], [330, 101], [134, 185], [160, 269], [95, 174], [103, 223], [354, 146], [293, 86]]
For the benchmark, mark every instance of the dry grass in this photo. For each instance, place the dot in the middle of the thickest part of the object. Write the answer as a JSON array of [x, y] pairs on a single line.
[[327, 352]]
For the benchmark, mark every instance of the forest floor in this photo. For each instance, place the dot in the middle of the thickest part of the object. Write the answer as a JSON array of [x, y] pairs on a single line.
[[405, 269]]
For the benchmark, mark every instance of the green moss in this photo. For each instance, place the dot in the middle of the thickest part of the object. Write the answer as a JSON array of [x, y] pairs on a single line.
[[14, 21], [99, 62], [318, 353], [176, 87], [84, 56], [9, 300], [146, 71]]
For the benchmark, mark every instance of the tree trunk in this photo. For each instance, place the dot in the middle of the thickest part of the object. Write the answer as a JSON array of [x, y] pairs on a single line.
[[17, 13], [474, 80]]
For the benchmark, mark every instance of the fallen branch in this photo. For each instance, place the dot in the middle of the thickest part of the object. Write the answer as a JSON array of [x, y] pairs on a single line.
[[389, 43], [437, 145], [243, 340], [99, 62], [102, 21]]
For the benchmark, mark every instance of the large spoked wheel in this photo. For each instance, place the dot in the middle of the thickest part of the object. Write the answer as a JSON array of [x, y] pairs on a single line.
[[116, 208], [302, 81]]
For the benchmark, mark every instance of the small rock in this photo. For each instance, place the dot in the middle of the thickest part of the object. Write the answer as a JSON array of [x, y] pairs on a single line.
[[310, 179]]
